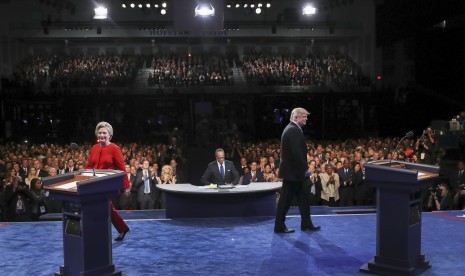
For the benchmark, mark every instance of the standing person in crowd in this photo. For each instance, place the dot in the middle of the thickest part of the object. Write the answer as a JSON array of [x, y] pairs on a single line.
[[315, 186], [459, 187], [125, 199], [146, 190], [254, 175], [330, 185], [360, 185], [425, 146], [346, 190], [18, 201], [38, 199], [294, 171], [220, 172], [106, 155]]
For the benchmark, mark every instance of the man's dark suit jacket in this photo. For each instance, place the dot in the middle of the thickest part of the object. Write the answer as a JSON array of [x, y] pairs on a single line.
[[212, 174], [74, 169], [139, 184], [247, 178], [293, 163], [43, 173], [345, 177]]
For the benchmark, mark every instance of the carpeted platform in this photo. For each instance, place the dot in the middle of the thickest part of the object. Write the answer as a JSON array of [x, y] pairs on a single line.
[[235, 246]]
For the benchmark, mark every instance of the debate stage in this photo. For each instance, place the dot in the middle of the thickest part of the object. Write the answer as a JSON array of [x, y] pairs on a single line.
[[236, 246]]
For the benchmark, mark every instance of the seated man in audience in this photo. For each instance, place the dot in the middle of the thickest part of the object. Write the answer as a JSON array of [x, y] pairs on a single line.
[[253, 175], [221, 171]]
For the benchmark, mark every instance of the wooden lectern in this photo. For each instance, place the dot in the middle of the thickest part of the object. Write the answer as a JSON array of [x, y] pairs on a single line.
[[87, 239], [398, 221]]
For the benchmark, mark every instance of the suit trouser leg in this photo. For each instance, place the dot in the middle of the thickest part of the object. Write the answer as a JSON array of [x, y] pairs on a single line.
[[303, 195], [283, 205], [117, 221]]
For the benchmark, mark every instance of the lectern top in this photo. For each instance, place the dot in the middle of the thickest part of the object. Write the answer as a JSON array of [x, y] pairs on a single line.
[[400, 171], [74, 181]]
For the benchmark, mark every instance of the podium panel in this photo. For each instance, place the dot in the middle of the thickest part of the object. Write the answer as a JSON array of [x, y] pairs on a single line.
[[398, 219], [87, 240]]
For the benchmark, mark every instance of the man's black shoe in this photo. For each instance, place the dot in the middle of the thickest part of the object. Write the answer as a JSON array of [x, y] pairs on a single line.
[[311, 228], [285, 230]]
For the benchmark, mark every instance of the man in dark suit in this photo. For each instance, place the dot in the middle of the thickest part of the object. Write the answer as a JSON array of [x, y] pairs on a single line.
[[71, 166], [253, 175], [146, 193], [294, 171], [220, 172], [346, 190], [40, 172]]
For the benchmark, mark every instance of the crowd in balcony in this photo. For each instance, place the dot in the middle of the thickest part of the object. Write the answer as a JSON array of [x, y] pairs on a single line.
[[186, 70], [173, 70], [76, 71]]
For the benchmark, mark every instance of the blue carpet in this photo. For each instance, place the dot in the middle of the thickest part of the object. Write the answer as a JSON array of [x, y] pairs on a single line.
[[236, 246]]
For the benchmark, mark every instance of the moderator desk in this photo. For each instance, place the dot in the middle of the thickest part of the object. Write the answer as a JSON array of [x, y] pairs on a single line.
[[189, 201]]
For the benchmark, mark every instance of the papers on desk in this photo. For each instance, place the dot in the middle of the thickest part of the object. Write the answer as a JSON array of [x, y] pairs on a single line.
[[211, 186], [214, 186], [68, 186]]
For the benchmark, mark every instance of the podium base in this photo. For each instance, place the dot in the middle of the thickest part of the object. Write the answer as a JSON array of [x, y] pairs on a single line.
[[103, 271], [374, 267]]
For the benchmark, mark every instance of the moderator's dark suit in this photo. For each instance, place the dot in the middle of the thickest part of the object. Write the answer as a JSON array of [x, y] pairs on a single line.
[[146, 201], [292, 169], [247, 178], [346, 190], [212, 174]]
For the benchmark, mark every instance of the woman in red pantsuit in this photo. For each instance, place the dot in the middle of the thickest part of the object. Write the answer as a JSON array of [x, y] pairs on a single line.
[[106, 155]]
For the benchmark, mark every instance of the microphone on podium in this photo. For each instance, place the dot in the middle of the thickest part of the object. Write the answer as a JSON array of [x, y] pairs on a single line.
[[407, 135]]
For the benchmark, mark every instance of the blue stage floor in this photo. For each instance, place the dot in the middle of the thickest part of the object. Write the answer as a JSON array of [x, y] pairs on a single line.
[[236, 246]]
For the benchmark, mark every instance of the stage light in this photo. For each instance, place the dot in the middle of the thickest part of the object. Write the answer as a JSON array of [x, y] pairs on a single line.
[[140, 6], [100, 13], [258, 11], [237, 5], [132, 5], [245, 5], [163, 11], [204, 10], [123, 5], [147, 5], [260, 5], [156, 6], [268, 5], [163, 4], [309, 10], [228, 6], [252, 6]]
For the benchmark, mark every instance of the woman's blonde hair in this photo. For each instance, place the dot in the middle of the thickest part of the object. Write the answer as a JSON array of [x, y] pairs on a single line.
[[104, 124]]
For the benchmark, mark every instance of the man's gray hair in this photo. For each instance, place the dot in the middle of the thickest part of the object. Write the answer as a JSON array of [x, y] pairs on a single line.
[[298, 111]]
